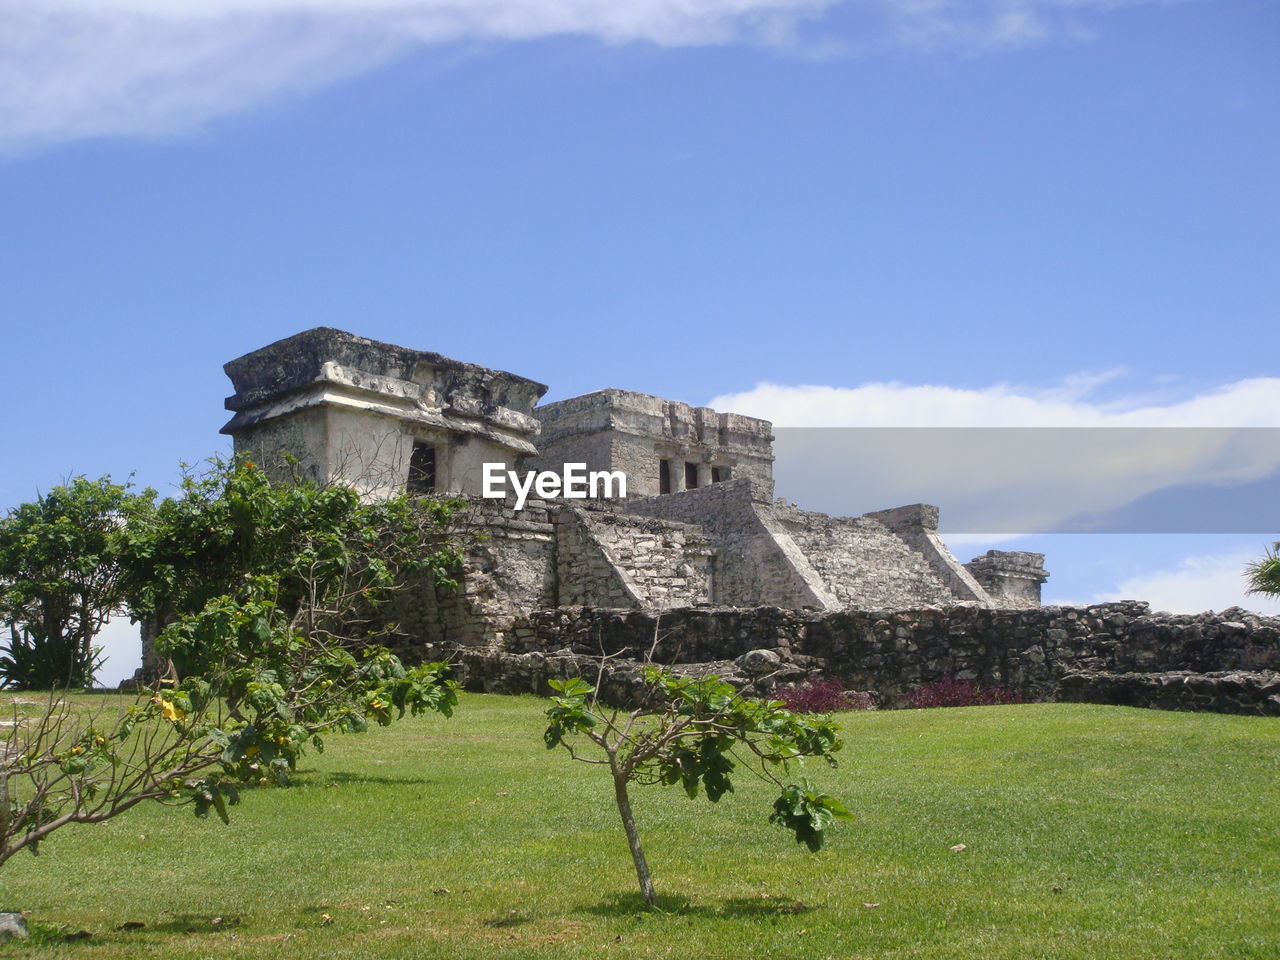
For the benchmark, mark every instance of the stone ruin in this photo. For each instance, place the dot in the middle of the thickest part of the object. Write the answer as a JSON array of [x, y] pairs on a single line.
[[699, 565], [699, 525]]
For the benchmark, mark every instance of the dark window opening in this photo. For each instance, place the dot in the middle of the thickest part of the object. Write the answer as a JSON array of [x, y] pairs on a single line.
[[718, 474], [691, 476], [422, 469], [664, 476]]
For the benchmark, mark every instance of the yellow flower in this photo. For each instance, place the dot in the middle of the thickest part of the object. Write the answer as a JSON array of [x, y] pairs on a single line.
[[170, 711]]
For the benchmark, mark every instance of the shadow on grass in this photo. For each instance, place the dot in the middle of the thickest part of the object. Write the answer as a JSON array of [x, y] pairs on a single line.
[[513, 918], [632, 904], [188, 923], [363, 778]]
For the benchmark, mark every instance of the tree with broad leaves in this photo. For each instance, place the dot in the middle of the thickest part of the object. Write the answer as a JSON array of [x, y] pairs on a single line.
[[696, 734], [272, 597], [60, 579]]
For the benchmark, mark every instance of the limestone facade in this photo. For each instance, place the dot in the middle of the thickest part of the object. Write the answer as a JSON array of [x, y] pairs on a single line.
[[380, 416], [699, 526], [663, 446]]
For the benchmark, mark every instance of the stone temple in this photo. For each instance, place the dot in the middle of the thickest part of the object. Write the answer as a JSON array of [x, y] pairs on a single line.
[[699, 526]]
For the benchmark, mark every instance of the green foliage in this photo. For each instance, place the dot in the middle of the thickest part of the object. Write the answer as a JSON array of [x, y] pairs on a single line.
[[34, 662], [238, 550], [1264, 575], [271, 596], [698, 735], [807, 813], [60, 579]]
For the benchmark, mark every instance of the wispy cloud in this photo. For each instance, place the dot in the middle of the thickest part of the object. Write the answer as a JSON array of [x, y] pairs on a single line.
[[1195, 583], [71, 69], [1244, 403]]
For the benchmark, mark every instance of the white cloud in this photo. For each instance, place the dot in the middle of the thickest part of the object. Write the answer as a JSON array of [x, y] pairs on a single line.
[[1245, 403], [80, 68], [1196, 583], [1003, 481]]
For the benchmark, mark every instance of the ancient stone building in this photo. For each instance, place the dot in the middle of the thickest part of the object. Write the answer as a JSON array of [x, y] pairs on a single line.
[[698, 527], [662, 446], [378, 415]]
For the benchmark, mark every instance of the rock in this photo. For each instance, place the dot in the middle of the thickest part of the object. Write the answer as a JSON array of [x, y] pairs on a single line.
[[12, 926], [759, 661]]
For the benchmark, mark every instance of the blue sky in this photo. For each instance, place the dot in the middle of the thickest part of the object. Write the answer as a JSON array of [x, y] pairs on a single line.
[[1034, 206]]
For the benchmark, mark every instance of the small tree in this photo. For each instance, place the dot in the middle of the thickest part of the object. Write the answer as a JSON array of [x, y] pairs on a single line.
[[696, 734], [60, 579], [1264, 575], [272, 597]]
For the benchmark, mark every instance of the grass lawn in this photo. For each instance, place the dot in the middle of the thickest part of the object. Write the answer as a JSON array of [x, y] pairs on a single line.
[[1090, 832]]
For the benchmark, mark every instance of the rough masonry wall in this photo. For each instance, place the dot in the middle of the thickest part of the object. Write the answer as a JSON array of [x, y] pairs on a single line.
[[667, 562], [636, 457], [917, 525], [586, 574], [1109, 653], [862, 562], [508, 573], [594, 450], [605, 559], [756, 561], [300, 435]]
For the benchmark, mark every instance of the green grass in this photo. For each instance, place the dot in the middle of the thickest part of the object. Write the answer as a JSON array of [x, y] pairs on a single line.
[[1091, 832]]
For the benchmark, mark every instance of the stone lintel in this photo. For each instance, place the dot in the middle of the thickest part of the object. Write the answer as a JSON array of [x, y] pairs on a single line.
[[1016, 564], [328, 366]]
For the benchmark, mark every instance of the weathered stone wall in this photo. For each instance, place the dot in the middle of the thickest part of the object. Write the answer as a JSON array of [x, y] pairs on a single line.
[[611, 560], [917, 525], [623, 430], [862, 562], [587, 575], [756, 560], [1224, 661], [667, 563], [1012, 578], [1223, 691], [594, 449], [300, 435], [508, 573]]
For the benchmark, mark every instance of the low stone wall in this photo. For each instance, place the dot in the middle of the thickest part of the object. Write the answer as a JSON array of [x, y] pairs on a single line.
[[1101, 649], [1220, 691]]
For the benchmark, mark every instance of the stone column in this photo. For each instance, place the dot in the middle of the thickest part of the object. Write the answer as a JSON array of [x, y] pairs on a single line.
[[1012, 578]]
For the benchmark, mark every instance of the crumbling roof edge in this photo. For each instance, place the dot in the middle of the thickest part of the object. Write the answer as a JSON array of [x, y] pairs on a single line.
[[408, 356]]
